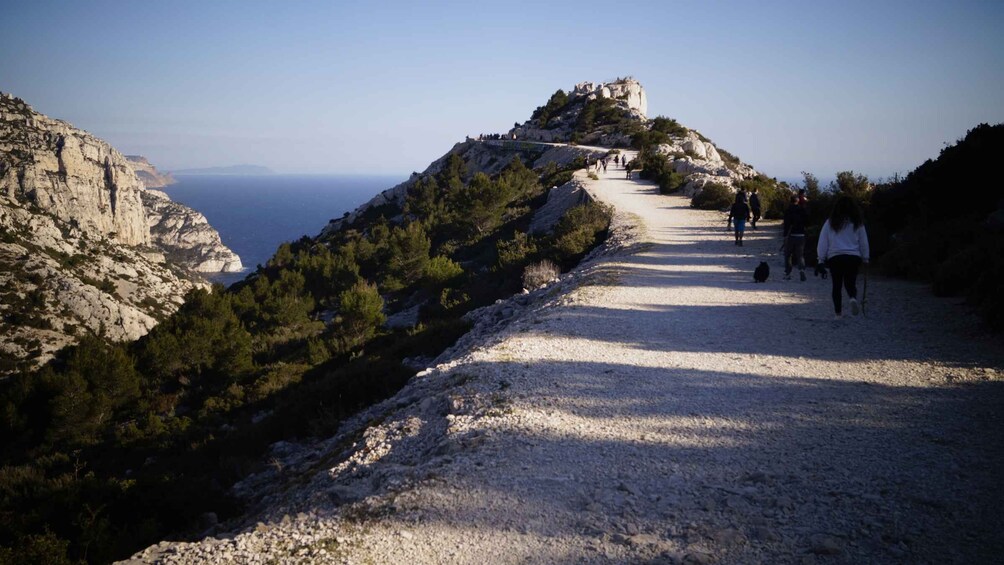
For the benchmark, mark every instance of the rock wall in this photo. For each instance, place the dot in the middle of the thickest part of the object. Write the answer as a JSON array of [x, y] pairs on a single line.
[[57, 283], [66, 172], [148, 174], [186, 236], [83, 243]]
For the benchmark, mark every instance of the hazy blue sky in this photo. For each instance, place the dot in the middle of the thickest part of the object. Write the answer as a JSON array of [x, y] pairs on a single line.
[[874, 86]]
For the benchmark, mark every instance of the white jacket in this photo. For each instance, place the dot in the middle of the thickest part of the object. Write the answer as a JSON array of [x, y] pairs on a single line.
[[847, 241]]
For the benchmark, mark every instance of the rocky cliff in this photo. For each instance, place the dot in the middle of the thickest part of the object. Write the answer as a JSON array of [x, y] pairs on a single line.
[[148, 174], [84, 247], [58, 283], [186, 237], [55, 168]]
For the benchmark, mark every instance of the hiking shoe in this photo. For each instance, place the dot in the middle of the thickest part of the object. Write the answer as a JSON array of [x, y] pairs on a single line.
[[801, 275], [838, 316], [787, 276], [855, 309]]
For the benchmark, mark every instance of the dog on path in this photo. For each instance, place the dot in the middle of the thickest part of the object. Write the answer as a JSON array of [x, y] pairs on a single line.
[[761, 273]]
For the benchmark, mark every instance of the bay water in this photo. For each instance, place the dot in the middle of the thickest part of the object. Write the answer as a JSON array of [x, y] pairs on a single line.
[[254, 214]]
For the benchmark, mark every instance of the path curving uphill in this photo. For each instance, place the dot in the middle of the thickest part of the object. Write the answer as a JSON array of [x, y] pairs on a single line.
[[658, 406]]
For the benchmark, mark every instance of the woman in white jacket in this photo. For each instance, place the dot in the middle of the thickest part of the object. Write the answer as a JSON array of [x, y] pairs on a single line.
[[843, 245]]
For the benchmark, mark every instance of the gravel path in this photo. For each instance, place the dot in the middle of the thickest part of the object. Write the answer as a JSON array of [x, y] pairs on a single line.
[[658, 406]]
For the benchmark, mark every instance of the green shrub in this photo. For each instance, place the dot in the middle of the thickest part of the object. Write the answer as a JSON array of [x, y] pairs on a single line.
[[713, 196], [360, 314], [441, 270], [517, 251], [579, 230]]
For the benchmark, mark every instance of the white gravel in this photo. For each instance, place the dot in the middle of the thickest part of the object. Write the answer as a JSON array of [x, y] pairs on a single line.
[[658, 406]]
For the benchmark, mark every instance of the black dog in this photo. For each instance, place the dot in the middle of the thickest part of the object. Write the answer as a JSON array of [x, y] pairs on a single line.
[[761, 273], [821, 270]]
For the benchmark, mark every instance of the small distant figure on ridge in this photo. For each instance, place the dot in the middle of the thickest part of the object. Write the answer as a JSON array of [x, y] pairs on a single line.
[[739, 214], [617, 160], [754, 208], [604, 161], [793, 237], [627, 168], [843, 246]]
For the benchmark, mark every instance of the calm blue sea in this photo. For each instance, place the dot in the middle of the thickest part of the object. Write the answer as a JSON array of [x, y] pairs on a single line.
[[254, 214]]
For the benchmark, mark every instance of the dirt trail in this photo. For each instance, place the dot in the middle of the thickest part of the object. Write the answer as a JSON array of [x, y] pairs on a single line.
[[663, 408]]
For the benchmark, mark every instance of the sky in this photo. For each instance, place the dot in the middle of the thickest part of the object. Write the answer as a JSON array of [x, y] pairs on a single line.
[[387, 87]]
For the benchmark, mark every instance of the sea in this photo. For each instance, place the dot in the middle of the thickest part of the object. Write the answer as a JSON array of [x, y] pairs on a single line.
[[254, 214]]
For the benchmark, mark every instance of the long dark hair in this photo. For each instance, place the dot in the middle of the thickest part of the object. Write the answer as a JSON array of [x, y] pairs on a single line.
[[845, 208]]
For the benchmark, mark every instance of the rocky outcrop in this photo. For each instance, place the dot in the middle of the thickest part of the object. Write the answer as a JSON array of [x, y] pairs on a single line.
[[627, 89], [84, 247], [182, 233], [57, 283], [559, 200], [186, 237], [627, 96], [148, 174], [68, 173], [700, 162]]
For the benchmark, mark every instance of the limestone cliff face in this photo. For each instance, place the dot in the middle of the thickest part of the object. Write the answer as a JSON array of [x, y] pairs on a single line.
[[58, 283], [186, 237], [181, 232], [148, 174], [83, 243], [70, 174]]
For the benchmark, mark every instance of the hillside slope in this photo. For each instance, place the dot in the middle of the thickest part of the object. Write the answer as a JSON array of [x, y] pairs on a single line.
[[85, 249], [658, 406]]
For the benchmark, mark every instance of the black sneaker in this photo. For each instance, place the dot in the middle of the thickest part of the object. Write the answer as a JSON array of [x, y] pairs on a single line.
[[801, 275]]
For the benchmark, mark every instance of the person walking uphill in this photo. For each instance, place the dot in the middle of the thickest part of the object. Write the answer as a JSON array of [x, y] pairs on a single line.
[[843, 245], [793, 232], [739, 213], [754, 207]]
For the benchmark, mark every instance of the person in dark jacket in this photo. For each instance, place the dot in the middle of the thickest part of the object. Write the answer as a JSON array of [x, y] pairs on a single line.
[[754, 208], [793, 233], [739, 214]]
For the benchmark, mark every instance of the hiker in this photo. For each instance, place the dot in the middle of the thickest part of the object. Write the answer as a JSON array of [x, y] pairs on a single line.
[[793, 236], [617, 160], [843, 245], [754, 207], [802, 200], [739, 213], [604, 161], [627, 167]]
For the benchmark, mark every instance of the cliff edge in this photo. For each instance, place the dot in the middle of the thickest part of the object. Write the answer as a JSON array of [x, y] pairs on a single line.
[[84, 247]]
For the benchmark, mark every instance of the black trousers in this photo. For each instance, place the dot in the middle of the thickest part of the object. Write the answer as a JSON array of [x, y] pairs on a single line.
[[843, 273]]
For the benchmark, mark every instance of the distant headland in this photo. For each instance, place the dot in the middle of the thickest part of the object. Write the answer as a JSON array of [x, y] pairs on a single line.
[[230, 170]]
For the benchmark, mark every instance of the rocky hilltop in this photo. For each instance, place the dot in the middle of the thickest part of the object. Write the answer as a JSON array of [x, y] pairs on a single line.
[[609, 115], [84, 247], [148, 174]]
